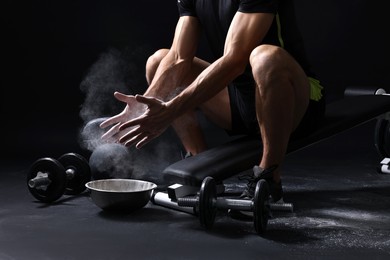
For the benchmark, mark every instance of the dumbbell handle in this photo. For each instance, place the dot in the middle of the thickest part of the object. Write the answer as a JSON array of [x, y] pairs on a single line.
[[281, 206], [70, 173], [162, 199], [247, 205], [220, 203], [42, 179], [236, 204]]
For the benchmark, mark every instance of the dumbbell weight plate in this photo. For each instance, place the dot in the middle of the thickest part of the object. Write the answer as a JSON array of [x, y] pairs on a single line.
[[261, 209], [207, 197], [56, 174], [82, 171]]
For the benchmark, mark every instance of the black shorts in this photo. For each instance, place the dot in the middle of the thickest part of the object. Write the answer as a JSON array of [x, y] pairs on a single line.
[[244, 120]]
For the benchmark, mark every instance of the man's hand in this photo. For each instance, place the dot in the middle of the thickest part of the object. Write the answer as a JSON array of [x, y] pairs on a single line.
[[148, 126], [132, 110], [143, 119]]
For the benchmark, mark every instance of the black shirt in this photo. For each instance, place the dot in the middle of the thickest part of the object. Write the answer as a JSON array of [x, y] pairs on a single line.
[[215, 17]]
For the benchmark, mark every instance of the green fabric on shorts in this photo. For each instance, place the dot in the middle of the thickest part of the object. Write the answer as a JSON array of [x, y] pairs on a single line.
[[315, 89]]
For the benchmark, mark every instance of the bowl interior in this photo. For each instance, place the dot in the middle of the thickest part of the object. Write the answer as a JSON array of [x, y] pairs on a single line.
[[121, 185]]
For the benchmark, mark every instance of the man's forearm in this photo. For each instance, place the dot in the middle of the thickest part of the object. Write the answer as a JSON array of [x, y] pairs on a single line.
[[169, 77], [209, 83]]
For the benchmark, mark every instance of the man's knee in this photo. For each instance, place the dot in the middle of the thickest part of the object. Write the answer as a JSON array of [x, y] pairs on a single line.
[[266, 58], [153, 62], [156, 57], [274, 68]]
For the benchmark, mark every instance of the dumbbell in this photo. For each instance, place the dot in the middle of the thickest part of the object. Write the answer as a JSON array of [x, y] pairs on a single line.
[[207, 204], [48, 179]]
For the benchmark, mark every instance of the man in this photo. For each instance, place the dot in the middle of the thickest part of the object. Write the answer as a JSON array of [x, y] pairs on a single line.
[[259, 84]]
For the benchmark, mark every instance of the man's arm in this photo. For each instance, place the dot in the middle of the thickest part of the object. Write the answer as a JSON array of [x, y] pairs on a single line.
[[246, 31], [168, 77], [177, 63]]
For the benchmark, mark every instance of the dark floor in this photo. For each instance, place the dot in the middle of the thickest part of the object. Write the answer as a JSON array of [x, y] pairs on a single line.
[[342, 210]]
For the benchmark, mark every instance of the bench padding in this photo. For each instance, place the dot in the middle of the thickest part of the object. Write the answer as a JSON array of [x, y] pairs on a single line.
[[233, 157]]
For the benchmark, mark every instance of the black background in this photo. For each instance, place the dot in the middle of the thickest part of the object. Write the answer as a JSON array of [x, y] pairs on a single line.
[[49, 48]]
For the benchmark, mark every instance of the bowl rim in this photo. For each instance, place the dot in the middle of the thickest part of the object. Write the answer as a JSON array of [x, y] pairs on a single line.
[[88, 185]]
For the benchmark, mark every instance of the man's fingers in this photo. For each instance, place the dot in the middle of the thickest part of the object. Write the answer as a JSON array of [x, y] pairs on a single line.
[[122, 97], [139, 140], [135, 139], [110, 121], [113, 130], [130, 135], [143, 142], [131, 123]]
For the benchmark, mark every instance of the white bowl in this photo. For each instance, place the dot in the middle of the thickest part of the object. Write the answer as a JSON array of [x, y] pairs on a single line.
[[123, 195]]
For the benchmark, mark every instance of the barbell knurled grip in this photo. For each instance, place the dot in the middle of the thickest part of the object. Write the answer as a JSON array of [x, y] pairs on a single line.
[[236, 204], [188, 201], [40, 181], [281, 207]]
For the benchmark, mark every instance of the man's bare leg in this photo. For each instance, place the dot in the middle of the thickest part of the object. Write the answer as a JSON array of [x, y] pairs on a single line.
[[282, 97]]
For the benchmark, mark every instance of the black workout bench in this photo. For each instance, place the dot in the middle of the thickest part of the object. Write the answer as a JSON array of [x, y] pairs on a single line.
[[359, 105], [228, 159]]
